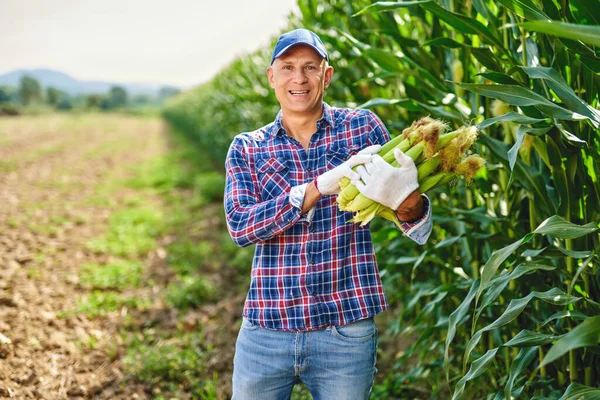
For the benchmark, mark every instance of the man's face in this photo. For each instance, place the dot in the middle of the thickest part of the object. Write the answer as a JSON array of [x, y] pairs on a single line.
[[299, 78]]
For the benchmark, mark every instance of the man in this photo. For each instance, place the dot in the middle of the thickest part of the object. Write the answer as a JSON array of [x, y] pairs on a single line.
[[315, 286]]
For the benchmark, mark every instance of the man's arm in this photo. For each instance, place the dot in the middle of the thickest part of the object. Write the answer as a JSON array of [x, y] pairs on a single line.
[[249, 219], [411, 209], [311, 197]]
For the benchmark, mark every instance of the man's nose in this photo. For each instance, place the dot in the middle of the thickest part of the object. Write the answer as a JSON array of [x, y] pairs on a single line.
[[300, 76]]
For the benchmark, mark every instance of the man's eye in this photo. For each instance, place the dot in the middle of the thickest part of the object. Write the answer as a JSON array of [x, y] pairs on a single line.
[[288, 67], [310, 67]]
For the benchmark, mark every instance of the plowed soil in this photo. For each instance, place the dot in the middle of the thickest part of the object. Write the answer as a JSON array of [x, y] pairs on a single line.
[[51, 168]]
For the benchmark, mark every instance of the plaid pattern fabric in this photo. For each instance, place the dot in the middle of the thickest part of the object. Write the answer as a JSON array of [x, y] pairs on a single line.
[[315, 270]]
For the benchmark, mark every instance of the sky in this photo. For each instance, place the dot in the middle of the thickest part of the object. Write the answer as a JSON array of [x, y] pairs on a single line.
[[177, 42]]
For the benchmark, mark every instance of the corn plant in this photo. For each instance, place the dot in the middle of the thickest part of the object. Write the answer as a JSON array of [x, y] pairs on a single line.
[[531, 261]]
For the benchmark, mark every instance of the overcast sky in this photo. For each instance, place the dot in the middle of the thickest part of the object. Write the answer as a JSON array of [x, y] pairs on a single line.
[[179, 42]]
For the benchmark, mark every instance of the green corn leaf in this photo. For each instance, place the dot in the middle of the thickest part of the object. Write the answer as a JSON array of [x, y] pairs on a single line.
[[509, 116], [478, 367], [522, 97], [497, 285], [464, 24], [378, 102], [527, 338], [587, 12], [497, 258], [483, 54], [430, 307], [585, 33], [455, 318], [386, 60], [574, 253], [413, 105], [585, 334], [533, 252], [559, 174], [569, 137], [565, 314], [576, 391], [524, 8], [526, 175], [385, 6], [499, 77], [564, 92], [447, 241], [514, 309], [444, 42], [560, 228], [405, 260], [579, 271], [513, 153], [416, 265], [487, 13], [523, 359]]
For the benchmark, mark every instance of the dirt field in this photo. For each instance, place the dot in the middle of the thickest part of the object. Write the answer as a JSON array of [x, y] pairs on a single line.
[[60, 181]]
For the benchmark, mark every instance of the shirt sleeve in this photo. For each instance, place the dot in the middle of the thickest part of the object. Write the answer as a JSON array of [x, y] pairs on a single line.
[[420, 229], [250, 220]]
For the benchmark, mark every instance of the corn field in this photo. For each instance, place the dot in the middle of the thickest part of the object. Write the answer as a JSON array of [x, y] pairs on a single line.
[[504, 299]]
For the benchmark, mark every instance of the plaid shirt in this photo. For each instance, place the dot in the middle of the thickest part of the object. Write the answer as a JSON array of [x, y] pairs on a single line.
[[313, 270]]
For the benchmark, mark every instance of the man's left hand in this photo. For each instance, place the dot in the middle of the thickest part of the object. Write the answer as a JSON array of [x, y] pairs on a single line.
[[385, 184]]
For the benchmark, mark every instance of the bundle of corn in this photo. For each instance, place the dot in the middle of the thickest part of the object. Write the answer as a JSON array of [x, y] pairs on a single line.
[[440, 157]]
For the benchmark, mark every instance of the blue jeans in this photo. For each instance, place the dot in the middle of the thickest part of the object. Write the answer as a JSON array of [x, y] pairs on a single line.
[[334, 363]]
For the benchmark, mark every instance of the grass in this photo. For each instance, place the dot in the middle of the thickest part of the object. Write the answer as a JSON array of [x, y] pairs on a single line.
[[162, 174], [210, 186], [132, 232], [171, 365], [7, 166], [186, 256], [16, 221], [99, 303], [116, 275], [190, 292], [35, 273]]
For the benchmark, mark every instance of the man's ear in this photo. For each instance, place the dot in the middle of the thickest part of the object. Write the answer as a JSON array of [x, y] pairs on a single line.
[[270, 76], [328, 75]]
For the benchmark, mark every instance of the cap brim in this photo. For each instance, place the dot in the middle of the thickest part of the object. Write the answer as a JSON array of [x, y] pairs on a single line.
[[285, 49]]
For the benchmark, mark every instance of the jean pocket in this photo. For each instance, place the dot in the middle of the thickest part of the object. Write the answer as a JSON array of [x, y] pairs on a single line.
[[247, 325], [359, 331]]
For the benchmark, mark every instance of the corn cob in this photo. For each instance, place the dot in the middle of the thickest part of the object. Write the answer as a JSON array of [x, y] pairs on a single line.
[[437, 156]]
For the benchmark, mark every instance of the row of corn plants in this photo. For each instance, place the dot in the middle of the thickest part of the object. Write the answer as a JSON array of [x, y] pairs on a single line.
[[504, 300]]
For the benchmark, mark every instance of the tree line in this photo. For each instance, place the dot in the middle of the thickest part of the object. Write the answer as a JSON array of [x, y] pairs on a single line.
[[30, 94]]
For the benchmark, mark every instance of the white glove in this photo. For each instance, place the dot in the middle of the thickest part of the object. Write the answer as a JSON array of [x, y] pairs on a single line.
[[385, 184], [328, 182]]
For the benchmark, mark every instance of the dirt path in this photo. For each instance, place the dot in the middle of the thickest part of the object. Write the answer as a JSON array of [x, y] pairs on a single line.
[[50, 169]]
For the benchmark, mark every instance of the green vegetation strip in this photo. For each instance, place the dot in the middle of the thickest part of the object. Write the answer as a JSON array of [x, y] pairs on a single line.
[[172, 362]]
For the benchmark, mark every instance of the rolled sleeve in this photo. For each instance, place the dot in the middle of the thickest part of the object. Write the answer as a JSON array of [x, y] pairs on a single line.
[[420, 229]]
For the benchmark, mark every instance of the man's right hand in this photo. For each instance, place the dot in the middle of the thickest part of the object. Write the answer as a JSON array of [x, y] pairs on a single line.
[[328, 183]]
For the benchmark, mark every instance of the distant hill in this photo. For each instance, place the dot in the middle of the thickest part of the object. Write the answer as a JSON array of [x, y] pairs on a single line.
[[73, 86]]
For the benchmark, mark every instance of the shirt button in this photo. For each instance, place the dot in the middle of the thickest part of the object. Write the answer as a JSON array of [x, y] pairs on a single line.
[[309, 169], [312, 262]]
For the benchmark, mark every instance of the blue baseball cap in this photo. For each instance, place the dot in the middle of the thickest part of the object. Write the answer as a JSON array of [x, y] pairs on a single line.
[[296, 37]]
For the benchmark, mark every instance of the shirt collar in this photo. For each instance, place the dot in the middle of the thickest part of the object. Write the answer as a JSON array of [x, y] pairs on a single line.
[[328, 116]]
